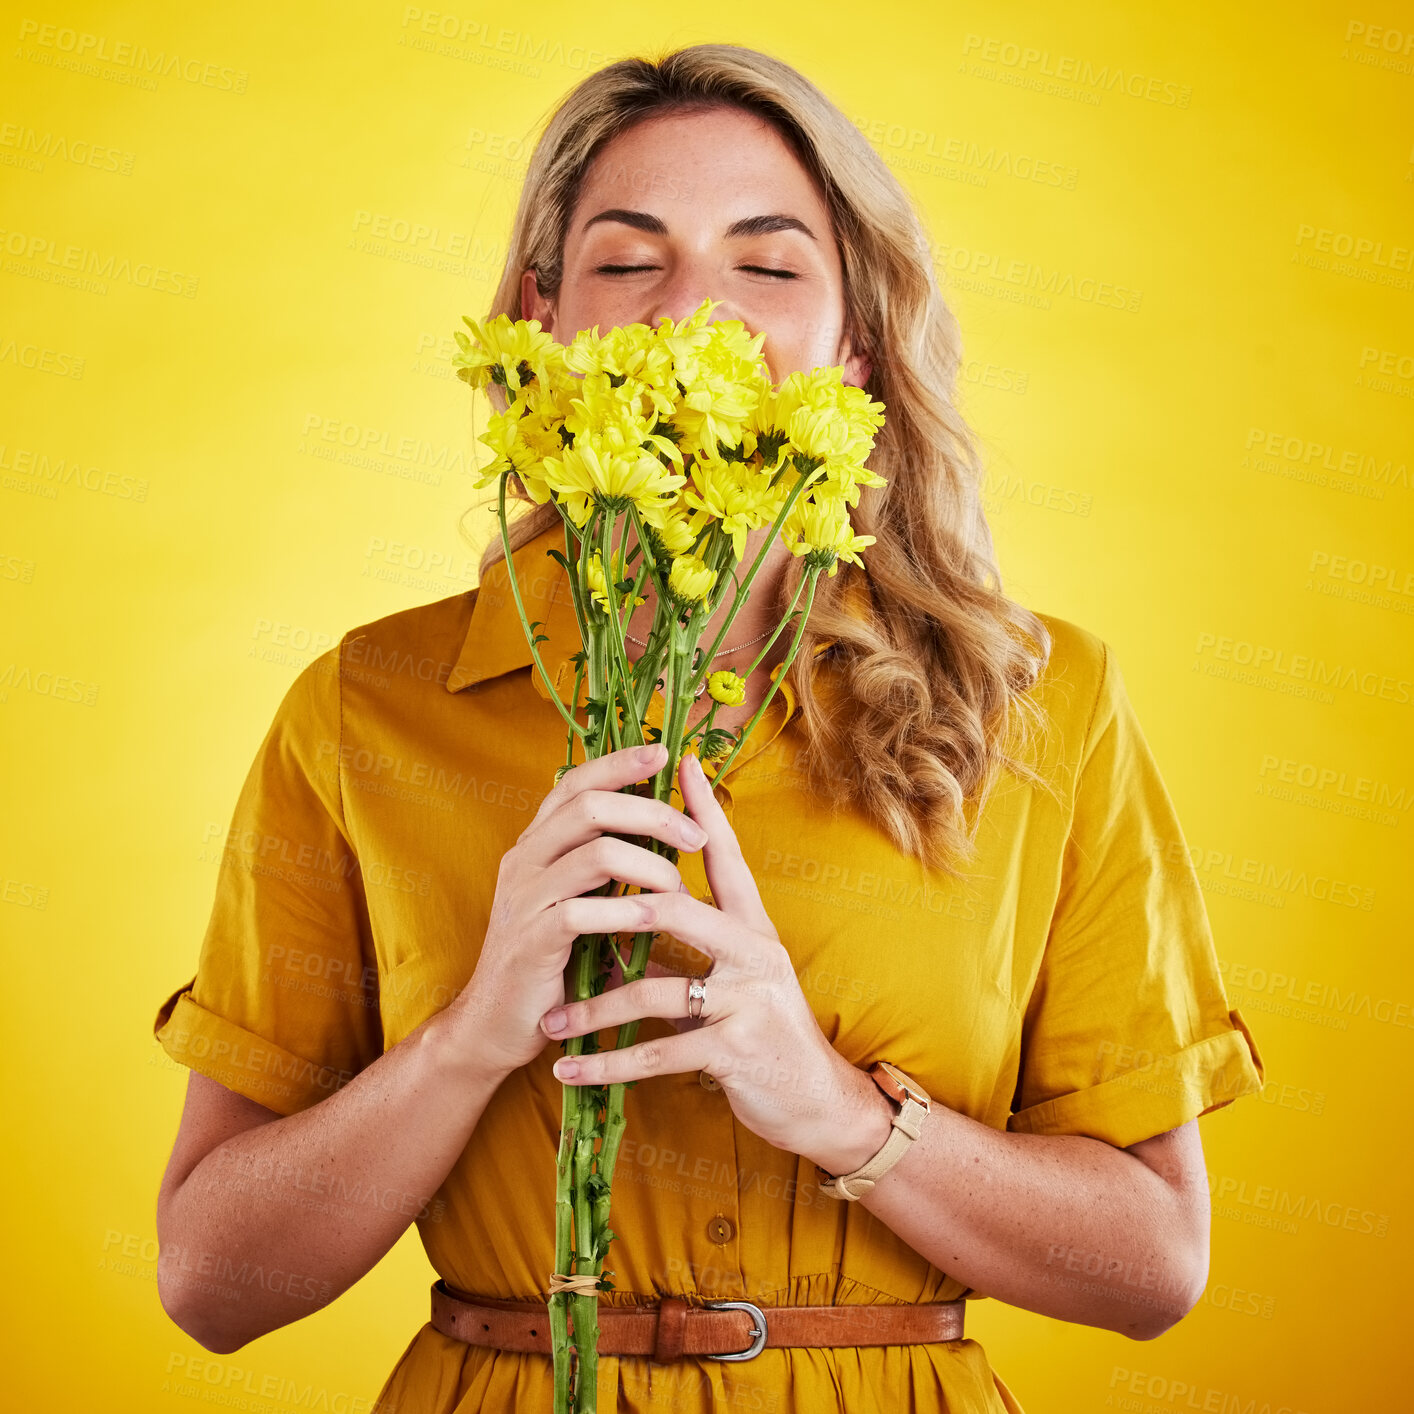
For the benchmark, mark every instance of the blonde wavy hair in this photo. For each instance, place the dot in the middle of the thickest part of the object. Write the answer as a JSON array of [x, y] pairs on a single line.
[[937, 682]]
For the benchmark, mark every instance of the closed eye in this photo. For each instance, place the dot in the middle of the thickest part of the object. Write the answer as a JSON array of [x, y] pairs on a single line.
[[631, 269]]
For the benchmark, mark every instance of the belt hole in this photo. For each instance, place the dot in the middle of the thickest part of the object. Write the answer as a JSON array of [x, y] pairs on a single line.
[[485, 1327], [532, 1332]]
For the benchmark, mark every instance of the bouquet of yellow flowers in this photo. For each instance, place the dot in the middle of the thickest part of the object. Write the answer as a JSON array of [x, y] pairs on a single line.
[[679, 433]]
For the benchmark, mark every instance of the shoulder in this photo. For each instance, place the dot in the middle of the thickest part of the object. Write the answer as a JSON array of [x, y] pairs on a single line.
[[1079, 677], [415, 646], [385, 664]]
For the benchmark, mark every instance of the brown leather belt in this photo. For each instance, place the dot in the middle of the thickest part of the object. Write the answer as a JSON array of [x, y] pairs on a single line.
[[675, 1327]]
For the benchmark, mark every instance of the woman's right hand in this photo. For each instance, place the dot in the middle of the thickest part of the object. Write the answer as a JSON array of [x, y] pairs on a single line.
[[539, 908]]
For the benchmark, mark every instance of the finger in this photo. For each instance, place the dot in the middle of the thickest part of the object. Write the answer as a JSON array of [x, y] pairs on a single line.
[[590, 813], [566, 919], [663, 997], [669, 1055], [651, 968], [728, 876], [594, 864], [723, 938], [612, 771]]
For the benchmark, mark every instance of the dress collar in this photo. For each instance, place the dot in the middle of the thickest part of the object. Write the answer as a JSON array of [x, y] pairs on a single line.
[[495, 641]]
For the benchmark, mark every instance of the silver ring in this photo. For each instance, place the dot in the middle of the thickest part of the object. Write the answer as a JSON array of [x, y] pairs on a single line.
[[696, 993]]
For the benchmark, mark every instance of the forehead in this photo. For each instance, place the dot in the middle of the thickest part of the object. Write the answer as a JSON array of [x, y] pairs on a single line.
[[721, 162]]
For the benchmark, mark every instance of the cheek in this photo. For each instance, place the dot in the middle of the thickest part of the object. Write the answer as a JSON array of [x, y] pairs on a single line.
[[797, 343], [582, 306]]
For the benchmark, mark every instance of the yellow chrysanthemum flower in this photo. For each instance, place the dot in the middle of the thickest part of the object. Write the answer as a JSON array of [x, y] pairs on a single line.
[[739, 496], [821, 527], [594, 574], [727, 688], [719, 394], [824, 417], [690, 580], [670, 519], [721, 373], [521, 444], [631, 357], [590, 471], [505, 351]]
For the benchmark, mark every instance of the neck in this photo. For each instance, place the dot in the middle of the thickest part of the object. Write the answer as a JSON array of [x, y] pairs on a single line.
[[758, 615]]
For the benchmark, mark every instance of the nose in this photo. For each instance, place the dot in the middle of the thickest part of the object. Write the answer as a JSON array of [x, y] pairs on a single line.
[[691, 281]]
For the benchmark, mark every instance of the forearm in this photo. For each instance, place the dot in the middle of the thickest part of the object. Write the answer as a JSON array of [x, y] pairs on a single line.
[[1063, 1225], [278, 1220]]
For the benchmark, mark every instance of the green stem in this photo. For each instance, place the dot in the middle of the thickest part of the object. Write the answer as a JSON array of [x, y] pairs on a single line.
[[616, 636], [520, 609], [744, 589], [580, 609], [585, 1309], [770, 642], [780, 677]]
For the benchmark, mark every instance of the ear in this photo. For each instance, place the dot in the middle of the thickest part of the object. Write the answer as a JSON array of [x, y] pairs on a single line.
[[856, 364], [532, 305]]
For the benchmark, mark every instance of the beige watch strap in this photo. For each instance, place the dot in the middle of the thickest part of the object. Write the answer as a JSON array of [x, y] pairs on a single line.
[[907, 1125]]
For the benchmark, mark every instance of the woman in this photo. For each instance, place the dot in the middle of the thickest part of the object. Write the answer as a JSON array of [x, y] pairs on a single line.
[[945, 846]]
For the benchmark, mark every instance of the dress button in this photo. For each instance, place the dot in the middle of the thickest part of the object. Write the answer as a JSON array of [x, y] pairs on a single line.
[[708, 1082], [721, 1229]]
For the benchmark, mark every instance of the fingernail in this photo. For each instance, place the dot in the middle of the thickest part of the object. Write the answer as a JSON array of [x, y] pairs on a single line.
[[555, 1020], [565, 1069], [647, 754]]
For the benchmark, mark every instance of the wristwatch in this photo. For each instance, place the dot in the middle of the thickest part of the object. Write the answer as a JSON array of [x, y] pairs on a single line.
[[913, 1102]]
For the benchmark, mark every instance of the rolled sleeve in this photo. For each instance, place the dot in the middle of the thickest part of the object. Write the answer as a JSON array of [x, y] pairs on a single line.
[[1127, 1032], [283, 1007]]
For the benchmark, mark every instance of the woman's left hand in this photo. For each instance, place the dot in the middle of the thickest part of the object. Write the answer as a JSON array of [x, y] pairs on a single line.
[[757, 1036]]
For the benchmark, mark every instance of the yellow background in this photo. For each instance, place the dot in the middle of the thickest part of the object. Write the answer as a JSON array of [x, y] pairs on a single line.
[[186, 524]]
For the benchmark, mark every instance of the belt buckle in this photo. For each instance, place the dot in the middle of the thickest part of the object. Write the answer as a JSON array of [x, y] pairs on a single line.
[[758, 1335]]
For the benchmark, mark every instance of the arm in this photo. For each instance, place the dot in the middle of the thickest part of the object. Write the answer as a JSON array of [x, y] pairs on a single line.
[[1064, 1225], [263, 1219]]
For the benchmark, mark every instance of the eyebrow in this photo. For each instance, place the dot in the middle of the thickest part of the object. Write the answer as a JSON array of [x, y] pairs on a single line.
[[747, 226]]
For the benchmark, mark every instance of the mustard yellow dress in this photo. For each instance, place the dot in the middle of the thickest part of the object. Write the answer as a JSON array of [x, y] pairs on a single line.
[[1070, 987]]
